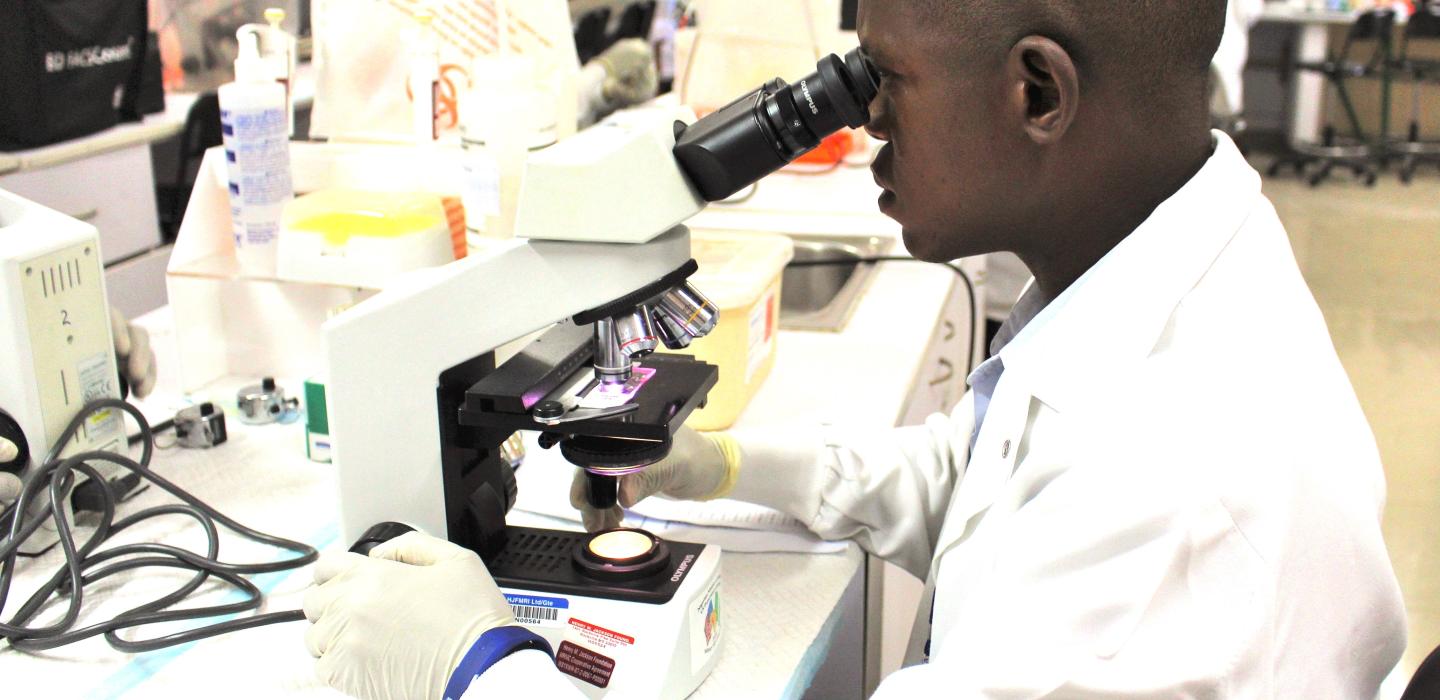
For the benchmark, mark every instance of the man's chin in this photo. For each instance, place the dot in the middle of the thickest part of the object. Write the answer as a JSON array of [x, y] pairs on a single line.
[[922, 246]]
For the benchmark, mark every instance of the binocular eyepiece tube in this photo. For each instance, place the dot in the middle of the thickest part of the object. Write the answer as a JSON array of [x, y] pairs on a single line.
[[775, 124]]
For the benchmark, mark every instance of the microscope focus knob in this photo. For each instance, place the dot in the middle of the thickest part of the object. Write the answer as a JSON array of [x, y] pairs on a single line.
[[377, 535]]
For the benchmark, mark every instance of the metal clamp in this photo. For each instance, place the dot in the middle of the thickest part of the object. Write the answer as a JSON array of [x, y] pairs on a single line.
[[264, 403], [554, 413]]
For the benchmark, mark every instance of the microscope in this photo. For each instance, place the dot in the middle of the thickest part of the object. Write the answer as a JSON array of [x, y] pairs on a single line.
[[426, 384]]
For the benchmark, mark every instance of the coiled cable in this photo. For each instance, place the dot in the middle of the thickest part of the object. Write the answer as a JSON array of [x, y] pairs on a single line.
[[87, 564]]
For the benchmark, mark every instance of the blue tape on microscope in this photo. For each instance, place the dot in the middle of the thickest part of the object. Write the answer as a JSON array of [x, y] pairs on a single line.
[[145, 666]]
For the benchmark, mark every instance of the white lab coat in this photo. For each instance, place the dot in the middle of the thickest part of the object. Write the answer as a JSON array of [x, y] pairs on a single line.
[[1175, 493]]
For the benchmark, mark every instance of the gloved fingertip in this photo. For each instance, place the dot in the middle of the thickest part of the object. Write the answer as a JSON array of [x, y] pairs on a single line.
[[632, 490], [120, 332], [333, 564], [9, 488], [146, 385], [578, 490]]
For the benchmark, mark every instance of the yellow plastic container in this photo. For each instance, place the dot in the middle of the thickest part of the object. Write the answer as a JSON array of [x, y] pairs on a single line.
[[740, 273], [362, 238]]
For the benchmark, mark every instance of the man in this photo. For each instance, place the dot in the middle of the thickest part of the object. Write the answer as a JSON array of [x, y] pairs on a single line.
[[1157, 487]]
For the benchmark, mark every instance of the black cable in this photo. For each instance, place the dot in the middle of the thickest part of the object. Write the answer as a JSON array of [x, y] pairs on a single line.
[[160, 427], [964, 277], [82, 567]]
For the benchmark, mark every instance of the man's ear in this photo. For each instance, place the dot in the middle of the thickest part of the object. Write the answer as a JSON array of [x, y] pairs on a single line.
[[1045, 88]]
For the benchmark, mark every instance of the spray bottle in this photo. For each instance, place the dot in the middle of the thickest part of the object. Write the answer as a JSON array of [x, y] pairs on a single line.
[[282, 49], [255, 128], [279, 49]]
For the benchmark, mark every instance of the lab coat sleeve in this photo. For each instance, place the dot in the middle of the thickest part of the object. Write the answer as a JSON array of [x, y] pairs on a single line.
[[524, 674], [886, 489], [1109, 583]]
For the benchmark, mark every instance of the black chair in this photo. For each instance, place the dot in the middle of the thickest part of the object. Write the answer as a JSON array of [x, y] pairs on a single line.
[[591, 32], [1424, 26], [634, 22], [201, 132], [1355, 152], [1425, 684]]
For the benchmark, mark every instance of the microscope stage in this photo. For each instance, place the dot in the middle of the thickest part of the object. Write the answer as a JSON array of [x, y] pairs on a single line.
[[677, 387]]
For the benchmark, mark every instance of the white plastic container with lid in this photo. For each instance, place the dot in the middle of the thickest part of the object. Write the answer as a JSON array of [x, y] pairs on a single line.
[[255, 128], [740, 273], [506, 116]]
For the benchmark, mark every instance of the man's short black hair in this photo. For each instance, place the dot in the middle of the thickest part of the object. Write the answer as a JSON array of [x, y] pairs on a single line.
[[1144, 47]]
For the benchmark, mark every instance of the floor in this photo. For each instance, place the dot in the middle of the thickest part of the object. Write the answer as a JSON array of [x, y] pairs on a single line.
[[1372, 258]]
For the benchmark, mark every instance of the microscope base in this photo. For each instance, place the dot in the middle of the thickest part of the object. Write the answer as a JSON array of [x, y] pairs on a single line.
[[620, 649]]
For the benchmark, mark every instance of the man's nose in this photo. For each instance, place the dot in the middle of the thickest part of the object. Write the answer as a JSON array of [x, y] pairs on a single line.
[[879, 126]]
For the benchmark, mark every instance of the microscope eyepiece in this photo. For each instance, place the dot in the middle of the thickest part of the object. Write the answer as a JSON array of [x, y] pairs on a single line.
[[770, 127]]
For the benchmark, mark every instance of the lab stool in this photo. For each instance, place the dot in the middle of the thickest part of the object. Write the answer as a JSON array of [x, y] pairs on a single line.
[[1413, 151], [1355, 152]]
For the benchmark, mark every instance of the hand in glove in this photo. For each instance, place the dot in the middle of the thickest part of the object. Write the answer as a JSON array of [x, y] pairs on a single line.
[[133, 354], [396, 624], [630, 76], [9, 487], [701, 467], [622, 76]]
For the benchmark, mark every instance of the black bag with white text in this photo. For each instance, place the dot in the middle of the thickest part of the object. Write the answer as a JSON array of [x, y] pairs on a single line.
[[65, 67]]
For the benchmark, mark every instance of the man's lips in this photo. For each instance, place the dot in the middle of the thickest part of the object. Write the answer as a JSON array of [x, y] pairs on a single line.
[[881, 169]]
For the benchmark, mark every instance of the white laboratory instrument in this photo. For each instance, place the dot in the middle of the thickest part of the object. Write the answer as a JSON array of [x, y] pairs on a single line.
[[421, 354], [601, 261], [54, 338]]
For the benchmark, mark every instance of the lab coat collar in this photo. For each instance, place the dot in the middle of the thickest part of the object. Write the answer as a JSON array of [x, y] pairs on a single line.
[[1118, 310]]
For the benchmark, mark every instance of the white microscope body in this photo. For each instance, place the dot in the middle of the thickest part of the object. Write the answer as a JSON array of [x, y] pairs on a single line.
[[599, 218]]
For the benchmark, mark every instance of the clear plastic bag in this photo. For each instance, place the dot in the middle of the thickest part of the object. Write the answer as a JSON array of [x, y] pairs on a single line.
[[362, 50]]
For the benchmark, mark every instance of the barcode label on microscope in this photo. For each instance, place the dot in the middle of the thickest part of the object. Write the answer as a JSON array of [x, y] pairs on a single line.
[[543, 611], [527, 615]]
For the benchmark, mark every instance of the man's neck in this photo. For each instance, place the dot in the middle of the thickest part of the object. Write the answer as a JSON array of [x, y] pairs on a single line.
[[1092, 224]]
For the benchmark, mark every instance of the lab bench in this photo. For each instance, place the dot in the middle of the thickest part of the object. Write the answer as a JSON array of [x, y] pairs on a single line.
[[795, 621]]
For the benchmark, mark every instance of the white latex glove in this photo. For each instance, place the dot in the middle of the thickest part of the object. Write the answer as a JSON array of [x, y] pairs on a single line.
[[396, 624], [701, 467], [133, 354], [630, 76], [9, 488], [623, 76]]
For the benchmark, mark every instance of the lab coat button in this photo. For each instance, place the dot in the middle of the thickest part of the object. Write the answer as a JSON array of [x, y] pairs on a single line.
[[1005, 450]]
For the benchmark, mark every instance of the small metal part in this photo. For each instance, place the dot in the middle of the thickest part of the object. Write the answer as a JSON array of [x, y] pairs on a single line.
[[670, 332], [264, 402], [636, 333], [200, 426], [513, 451], [690, 310], [611, 365], [549, 440], [576, 415]]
